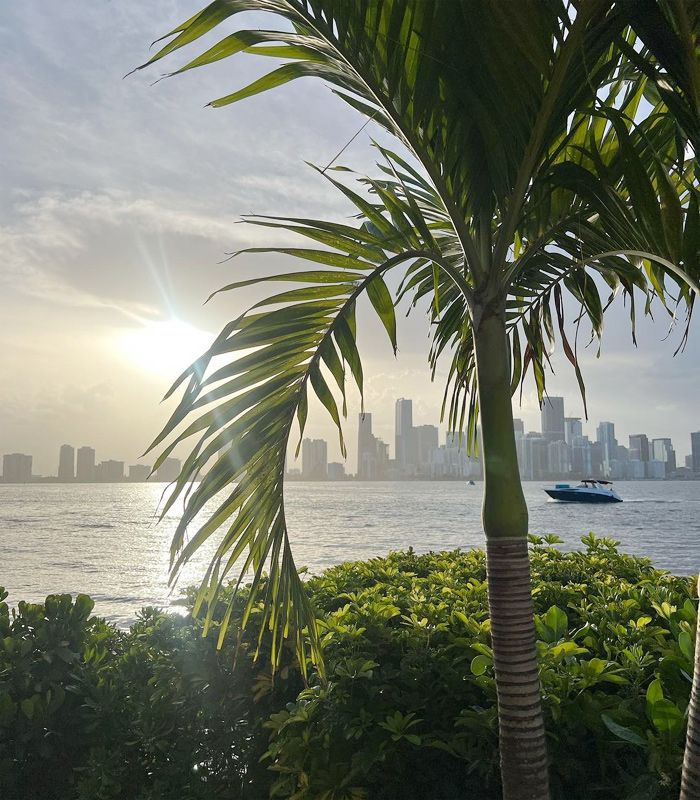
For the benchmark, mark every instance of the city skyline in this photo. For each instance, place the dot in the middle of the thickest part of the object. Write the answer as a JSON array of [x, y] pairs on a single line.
[[559, 449], [415, 444], [81, 466]]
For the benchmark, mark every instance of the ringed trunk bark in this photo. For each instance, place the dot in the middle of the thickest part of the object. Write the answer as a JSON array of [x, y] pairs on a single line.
[[690, 779], [523, 750]]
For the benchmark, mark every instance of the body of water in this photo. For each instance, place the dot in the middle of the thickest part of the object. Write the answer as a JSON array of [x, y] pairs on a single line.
[[103, 540]]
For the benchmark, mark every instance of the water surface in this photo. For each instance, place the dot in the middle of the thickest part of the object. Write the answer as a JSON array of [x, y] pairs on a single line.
[[102, 539]]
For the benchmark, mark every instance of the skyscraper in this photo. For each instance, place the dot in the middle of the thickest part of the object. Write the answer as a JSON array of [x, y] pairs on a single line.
[[639, 447], [581, 457], [695, 451], [403, 432], [426, 440], [372, 453], [553, 419], [606, 439], [85, 464], [314, 460], [559, 459], [597, 460], [662, 450], [572, 429], [365, 446], [66, 463], [535, 463], [16, 468]]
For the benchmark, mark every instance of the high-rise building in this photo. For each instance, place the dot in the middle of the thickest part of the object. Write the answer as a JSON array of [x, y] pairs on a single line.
[[535, 458], [597, 462], [336, 471], [372, 453], [426, 440], [559, 461], [381, 463], [452, 459], [85, 470], [622, 453], [572, 429], [16, 468], [695, 450], [314, 460], [456, 440], [403, 433], [66, 463], [639, 447], [110, 471], [139, 472], [168, 471], [518, 427], [655, 469], [662, 450], [581, 457], [365, 445], [553, 419], [606, 439]]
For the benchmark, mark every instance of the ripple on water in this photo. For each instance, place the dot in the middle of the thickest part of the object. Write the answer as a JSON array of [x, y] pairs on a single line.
[[103, 540]]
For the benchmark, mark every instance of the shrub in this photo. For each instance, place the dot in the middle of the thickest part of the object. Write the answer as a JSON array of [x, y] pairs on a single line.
[[89, 712], [409, 708]]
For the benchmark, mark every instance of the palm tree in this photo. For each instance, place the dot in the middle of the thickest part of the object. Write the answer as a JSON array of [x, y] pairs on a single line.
[[533, 170]]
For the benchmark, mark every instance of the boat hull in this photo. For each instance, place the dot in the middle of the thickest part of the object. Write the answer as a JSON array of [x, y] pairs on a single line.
[[577, 496]]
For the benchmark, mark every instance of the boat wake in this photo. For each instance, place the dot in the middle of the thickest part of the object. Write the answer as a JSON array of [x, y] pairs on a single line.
[[658, 500]]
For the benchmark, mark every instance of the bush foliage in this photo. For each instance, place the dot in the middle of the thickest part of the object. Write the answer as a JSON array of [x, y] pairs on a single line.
[[87, 711]]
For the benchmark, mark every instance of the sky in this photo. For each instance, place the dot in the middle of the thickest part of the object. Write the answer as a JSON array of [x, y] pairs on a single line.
[[121, 200]]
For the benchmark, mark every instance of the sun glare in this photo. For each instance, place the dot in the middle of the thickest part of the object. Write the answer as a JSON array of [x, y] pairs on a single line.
[[165, 348]]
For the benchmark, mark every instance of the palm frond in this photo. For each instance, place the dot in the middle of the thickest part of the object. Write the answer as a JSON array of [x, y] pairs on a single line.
[[391, 59], [240, 415]]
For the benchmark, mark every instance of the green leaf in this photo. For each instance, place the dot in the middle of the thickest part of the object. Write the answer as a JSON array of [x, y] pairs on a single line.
[[200, 24], [626, 734], [480, 664], [384, 306], [655, 692], [554, 625], [666, 716], [686, 645], [345, 340], [272, 80]]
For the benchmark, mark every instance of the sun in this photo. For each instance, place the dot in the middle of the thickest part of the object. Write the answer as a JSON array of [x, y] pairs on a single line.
[[165, 347]]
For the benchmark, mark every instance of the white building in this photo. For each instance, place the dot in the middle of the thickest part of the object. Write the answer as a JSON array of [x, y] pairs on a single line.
[[314, 460]]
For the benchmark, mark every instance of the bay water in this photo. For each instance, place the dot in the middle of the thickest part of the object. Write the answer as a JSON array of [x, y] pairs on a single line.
[[104, 540]]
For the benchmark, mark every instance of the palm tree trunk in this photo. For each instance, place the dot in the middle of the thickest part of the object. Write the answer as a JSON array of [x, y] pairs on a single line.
[[523, 749], [690, 780]]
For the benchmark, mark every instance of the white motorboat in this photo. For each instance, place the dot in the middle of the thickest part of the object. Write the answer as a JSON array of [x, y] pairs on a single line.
[[589, 490]]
